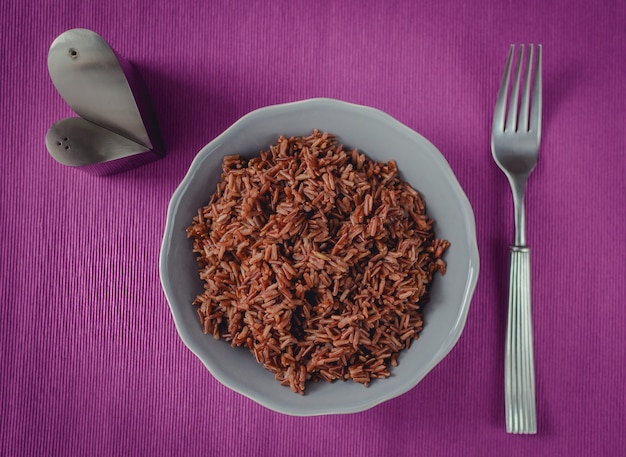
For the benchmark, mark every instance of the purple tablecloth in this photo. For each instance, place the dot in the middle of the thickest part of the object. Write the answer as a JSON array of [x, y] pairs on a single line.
[[90, 361]]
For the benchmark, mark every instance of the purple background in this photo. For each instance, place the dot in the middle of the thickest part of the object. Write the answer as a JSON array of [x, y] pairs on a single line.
[[90, 361]]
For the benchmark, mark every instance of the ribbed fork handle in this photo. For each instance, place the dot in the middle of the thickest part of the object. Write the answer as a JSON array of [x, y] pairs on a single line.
[[519, 366]]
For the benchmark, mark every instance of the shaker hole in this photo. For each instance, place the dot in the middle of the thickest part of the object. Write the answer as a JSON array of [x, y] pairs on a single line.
[[58, 143], [67, 147], [65, 139], [73, 53]]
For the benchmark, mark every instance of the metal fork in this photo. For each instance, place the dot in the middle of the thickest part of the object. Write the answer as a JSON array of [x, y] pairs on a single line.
[[515, 142]]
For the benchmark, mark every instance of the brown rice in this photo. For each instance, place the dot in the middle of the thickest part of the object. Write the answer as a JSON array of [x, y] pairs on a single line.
[[316, 259]]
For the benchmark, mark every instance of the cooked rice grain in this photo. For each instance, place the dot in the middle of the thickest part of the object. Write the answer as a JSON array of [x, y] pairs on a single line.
[[317, 259]]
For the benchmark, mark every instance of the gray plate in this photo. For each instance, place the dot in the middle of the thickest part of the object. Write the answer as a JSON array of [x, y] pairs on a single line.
[[382, 138]]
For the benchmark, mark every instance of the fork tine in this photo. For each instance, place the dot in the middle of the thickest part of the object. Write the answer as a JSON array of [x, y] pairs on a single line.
[[535, 109], [511, 118], [522, 125], [498, 115]]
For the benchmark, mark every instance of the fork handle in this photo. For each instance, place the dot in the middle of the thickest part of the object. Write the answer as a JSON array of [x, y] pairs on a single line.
[[519, 366]]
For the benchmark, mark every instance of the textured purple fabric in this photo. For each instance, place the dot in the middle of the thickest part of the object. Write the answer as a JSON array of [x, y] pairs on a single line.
[[90, 361]]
